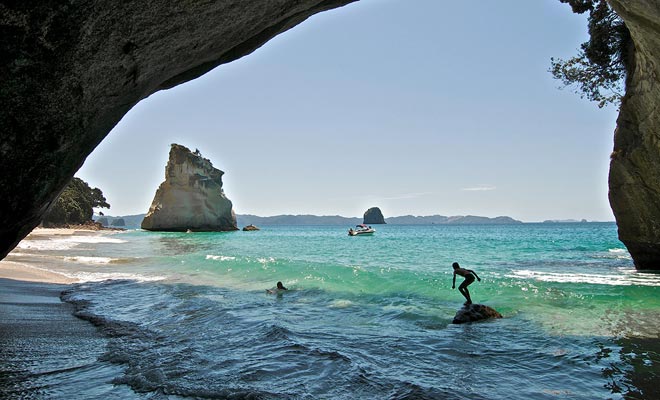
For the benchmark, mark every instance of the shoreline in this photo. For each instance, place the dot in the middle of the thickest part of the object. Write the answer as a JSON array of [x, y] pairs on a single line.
[[22, 272], [31, 272], [43, 343]]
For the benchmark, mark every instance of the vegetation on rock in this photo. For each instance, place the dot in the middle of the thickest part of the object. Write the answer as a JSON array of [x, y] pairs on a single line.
[[118, 222], [75, 205], [603, 63]]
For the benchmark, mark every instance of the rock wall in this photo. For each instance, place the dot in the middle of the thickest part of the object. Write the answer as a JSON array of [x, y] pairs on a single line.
[[191, 198], [71, 69], [634, 179]]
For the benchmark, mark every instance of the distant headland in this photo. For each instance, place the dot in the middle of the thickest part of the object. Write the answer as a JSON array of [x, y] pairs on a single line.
[[133, 221]]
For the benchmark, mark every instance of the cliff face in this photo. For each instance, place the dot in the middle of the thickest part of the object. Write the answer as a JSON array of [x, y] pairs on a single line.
[[191, 196], [71, 69], [635, 163]]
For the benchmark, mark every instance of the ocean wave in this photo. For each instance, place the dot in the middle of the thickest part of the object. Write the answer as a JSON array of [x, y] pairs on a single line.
[[341, 303], [219, 258], [90, 260], [64, 243], [618, 250], [629, 278], [94, 239], [617, 253], [105, 276]]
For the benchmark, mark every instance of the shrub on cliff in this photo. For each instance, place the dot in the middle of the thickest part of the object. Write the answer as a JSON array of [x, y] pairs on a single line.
[[600, 69], [75, 205]]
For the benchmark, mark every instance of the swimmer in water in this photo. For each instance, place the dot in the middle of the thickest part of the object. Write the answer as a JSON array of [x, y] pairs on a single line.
[[469, 276], [280, 288]]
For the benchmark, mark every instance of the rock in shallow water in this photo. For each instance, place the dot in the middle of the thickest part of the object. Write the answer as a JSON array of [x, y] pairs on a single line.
[[475, 312]]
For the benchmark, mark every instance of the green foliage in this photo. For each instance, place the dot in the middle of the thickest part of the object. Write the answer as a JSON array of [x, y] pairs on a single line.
[[118, 222], [600, 68], [75, 205]]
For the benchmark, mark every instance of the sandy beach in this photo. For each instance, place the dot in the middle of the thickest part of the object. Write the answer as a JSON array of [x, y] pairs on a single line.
[[41, 340], [30, 271]]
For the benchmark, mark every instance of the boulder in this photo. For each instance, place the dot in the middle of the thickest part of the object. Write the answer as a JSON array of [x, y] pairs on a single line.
[[191, 198], [475, 312], [250, 228], [373, 216]]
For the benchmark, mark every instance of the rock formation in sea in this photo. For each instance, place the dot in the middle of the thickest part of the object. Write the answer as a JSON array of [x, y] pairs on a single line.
[[475, 312], [250, 227], [373, 216], [191, 198], [71, 70]]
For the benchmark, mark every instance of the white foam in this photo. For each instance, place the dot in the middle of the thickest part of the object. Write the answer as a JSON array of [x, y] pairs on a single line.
[[104, 276], [64, 243], [90, 260], [219, 258], [626, 278], [341, 304], [45, 245], [618, 253], [94, 239], [617, 250]]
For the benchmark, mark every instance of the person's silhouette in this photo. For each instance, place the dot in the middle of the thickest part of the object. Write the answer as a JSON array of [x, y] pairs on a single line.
[[469, 276]]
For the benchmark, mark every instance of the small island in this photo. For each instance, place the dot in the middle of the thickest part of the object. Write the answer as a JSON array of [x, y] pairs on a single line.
[[373, 216]]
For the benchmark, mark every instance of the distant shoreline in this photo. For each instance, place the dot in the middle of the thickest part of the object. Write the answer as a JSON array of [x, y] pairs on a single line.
[[134, 221]]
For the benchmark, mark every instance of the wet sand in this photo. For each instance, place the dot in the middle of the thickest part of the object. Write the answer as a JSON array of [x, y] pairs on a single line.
[[42, 343]]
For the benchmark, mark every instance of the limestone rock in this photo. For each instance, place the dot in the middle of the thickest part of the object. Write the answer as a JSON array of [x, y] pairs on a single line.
[[250, 228], [475, 312], [191, 198], [373, 216], [635, 162]]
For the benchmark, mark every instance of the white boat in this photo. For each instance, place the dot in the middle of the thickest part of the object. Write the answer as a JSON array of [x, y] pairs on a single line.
[[360, 230]]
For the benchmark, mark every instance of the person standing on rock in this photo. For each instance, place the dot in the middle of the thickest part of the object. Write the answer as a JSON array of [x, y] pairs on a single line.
[[469, 276]]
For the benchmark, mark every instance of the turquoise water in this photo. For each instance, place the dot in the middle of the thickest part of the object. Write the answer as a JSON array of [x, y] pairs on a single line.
[[187, 315]]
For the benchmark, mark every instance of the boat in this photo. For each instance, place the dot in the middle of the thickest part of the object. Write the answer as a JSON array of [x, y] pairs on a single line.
[[361, 230]]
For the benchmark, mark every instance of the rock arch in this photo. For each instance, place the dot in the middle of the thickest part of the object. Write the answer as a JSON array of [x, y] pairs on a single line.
[[71, 69]]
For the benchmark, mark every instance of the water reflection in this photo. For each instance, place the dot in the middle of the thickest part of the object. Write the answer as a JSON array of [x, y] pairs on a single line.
[[634, 368]]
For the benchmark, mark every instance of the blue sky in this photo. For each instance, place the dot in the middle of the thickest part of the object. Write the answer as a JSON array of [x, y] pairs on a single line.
[[417, 107]]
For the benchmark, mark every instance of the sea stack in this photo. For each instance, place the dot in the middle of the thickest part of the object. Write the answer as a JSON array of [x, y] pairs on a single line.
[[191, 198], [373, 216]]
